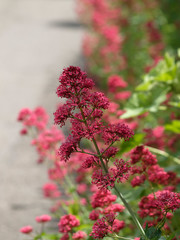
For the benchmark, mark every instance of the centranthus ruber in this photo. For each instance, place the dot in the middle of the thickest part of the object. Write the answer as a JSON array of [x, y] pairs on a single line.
[[84, 107]]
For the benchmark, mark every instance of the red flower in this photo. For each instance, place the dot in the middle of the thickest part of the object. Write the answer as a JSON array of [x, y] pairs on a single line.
[[67, 222], [26, 229], [43, 218]]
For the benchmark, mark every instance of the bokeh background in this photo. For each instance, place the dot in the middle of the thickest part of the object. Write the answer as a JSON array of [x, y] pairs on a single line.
[[38, 38]]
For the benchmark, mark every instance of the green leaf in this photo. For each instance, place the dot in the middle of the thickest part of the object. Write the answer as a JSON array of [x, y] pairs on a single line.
[[174, 104], [126, 146], [171, 236], [162, 238], [133, 112], [90, 238], [174, 126], [85, 227], [145, 86], [169, 60], [178, 52], [165, 77], [74, 208], [142, 102], [153, 233], [45, 236], [135, 194]]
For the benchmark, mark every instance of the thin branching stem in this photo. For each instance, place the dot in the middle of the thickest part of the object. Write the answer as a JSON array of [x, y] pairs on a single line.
[[165, 154]]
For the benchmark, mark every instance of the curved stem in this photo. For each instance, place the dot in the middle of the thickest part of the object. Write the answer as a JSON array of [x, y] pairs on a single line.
[[165, 154]]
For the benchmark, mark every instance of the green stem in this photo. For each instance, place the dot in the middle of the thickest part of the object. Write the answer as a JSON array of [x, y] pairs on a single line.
[[95, 144], [172, 230], [131, 213], [87, 153], [162, 153], [118, 193], [107, 148], [116, 236], [100, 156]]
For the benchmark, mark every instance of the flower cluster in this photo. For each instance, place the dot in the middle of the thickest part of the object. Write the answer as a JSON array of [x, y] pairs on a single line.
[[108, 44], [50, 190], [159, 204], [37, 118], [103, 204], [43, 218], [145, 167], [67, 223], [79, 235], [39, 219], [47, 141], [119, 172], [26, 230], [106, 225], [85, 108]]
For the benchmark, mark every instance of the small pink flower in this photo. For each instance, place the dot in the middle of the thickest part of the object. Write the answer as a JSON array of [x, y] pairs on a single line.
[[81, 188], [79, 235], [23, 131], [100, 229], [43, 218], [26, 229], [51, 190], [115, 82], [83, 201], [122, 95], [118, 225], [67, 222], [94, 215]]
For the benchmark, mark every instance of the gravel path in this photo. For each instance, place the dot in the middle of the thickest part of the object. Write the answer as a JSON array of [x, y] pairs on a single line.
[[38, 38]]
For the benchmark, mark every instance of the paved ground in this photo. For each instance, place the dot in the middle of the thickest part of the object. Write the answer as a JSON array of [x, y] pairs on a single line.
[[37, 39]]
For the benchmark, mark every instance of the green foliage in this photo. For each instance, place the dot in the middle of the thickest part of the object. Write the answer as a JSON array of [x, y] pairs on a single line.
[[126, 146], [150, 95], [45, 236], [174, 126], [142, 102], [74, 208], [153, 233]]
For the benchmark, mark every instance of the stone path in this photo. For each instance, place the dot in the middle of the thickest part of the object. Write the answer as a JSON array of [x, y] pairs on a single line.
[[38, 38]]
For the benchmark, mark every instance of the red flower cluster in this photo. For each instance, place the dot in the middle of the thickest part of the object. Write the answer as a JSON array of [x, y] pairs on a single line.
[[67, 222], [79, 235], [159, 204], [50, 190], [115, 82], [114, 132], [37, 118], [84, 108], [146, 167], [26, 229], [43, 218], [100, 229], [119, 172], [47, 141], [105, 225], [102, 198], [102, 202]]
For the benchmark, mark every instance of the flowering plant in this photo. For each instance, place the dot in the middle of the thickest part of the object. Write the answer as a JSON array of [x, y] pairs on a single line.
[[96, 199]]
